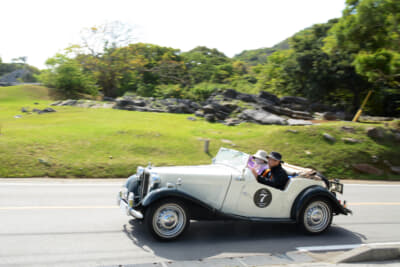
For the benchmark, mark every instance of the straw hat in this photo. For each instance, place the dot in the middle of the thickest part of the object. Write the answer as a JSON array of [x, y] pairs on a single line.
[[261, 154]]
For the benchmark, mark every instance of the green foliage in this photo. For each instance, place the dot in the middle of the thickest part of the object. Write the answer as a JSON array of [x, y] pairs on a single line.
[[259, 56], [67, 76], [369, 33], [207, 65]]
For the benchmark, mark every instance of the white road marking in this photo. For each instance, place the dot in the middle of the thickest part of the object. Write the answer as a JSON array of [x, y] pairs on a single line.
[[344, 246], [373, 204], [56, 184], [57, 207], [372, 185]]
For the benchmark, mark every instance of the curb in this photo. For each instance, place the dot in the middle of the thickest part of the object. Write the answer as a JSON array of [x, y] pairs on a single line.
[[370, 253]]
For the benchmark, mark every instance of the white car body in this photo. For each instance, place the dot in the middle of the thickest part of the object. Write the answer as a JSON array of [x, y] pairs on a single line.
[[225, 188]]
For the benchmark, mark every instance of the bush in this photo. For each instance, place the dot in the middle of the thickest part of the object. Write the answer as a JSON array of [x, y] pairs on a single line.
[[69, 78]]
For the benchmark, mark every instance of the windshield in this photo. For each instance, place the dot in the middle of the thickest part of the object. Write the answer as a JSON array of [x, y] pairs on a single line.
[[231, 157]]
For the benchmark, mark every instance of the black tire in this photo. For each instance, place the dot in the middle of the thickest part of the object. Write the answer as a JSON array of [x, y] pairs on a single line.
[[167, 219], [316, 216]]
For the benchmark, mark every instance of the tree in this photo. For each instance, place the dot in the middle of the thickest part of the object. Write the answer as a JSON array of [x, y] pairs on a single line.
[[369, 33], [66, 75], [207, 65], [102, 42]]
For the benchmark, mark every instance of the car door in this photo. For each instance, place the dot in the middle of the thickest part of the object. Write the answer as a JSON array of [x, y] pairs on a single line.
[[247, 197]]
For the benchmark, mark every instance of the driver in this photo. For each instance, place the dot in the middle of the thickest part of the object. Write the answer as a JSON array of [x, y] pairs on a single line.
[[275, 176]]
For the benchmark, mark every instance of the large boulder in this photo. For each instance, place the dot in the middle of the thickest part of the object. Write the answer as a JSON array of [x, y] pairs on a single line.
[[230, 93], [329, 116], [263, 95], [246, 98], [375, 132], [368, 169], [262, 117], [294, 122], [295, 100]]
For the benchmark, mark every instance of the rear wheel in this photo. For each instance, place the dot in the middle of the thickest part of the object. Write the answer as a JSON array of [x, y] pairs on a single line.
[[167, 219], [316, 216]]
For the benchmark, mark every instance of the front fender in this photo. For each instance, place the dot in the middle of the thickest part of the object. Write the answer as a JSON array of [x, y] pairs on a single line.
[[161, 193], [312, 192]]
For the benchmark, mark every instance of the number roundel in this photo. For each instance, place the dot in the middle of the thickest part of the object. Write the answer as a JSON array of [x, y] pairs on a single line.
[[262, 198]]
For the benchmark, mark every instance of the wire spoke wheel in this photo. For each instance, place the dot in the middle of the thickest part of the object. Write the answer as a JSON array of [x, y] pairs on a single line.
[[317, 217], [168, 220]]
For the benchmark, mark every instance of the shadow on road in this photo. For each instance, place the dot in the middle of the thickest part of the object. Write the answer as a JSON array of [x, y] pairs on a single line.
[[207, 239]]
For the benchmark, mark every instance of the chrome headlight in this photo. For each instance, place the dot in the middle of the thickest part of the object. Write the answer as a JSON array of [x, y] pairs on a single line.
[[139, 170]]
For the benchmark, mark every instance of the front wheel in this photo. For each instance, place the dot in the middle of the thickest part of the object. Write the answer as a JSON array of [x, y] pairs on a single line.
[[167, 219], [316, 216]]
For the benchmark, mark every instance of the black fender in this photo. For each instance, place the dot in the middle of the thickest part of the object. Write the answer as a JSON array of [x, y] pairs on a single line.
[[316, 191], [198, 209]]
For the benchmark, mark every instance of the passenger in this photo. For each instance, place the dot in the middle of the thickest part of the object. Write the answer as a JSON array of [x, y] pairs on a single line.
[[259, 161], [275, 176]]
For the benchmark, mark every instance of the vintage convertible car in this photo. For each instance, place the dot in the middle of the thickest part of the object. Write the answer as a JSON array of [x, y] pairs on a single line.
[[167, 198]]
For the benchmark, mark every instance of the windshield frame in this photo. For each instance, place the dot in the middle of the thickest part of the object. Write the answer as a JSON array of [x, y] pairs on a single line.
[[232, 158]]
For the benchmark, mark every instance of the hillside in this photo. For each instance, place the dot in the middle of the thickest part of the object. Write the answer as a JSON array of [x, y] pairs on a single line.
[[259, 56], [87, 142]]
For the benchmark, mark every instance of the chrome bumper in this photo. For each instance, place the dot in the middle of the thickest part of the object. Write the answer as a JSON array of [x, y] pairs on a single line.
[[129, 210]]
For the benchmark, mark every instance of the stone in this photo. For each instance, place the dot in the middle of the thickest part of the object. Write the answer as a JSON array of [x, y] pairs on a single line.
[[246, 98], [294, 99], [270, 97], [44, 162], [329, 116], [294, 122], [199, 113], [208, 109], [395, 169], [110, 99], [375, 132], [351, 140], [25, 110], [348, 129], [329, 137], [308, 152], [368, 169], [232, 121], [374, 158], [57, 103], [396, 137], [17, 116], [191, 118], [387, 163], [262, 117], [48, 110], [69, 102], [292, 131], [230, 93], [209, 117], [139, 103]]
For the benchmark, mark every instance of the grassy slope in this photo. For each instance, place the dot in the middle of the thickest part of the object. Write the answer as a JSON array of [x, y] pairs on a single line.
[[78, 142]]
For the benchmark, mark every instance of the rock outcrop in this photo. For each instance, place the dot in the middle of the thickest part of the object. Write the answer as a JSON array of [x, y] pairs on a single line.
[[224, 106]]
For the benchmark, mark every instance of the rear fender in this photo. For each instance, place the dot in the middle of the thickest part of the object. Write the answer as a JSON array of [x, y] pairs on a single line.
[[313, 192]]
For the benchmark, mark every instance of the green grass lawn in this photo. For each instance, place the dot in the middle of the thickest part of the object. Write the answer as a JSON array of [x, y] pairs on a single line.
[[79, 142]]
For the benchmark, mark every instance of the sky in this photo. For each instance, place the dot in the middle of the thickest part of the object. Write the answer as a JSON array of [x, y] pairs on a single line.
[[39, 29]]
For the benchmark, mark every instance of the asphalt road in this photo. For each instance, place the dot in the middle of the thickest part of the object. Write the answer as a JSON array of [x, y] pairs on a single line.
[[77, 223]]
